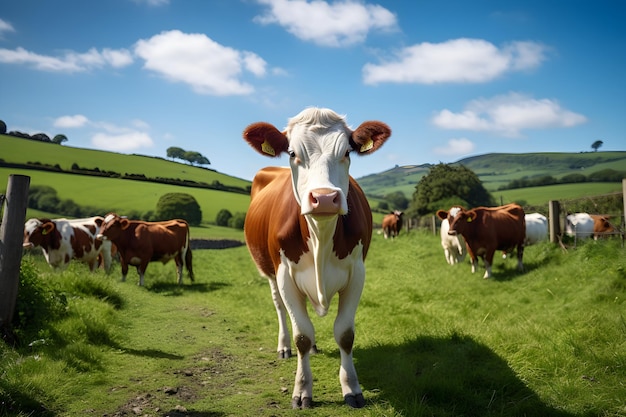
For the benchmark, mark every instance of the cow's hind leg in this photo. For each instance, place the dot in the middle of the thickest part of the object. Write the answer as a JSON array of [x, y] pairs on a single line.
[[284, 338], [520, 255], [188, 263]]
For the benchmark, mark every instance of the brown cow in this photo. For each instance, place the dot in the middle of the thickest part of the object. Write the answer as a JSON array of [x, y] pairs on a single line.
[[487, 229], [139, 243], [392, 223], [308, 230], [62, 240]]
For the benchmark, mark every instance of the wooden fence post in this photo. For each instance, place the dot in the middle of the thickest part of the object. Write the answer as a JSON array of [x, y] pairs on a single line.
[[554, 215], [11, 235]]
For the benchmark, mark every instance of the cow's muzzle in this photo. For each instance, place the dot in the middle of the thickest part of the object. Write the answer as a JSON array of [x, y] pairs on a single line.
[[325, 201]]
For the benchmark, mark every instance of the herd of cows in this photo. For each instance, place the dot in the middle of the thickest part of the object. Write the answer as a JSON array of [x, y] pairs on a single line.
[[308, 230]]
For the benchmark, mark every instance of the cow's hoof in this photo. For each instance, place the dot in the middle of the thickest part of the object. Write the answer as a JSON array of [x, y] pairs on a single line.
[[355, 401], [314, 350], [298, 403], [284, 354]]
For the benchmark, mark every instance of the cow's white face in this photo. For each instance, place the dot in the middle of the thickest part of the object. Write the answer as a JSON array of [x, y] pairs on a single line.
[[319, 160], [318, 142]]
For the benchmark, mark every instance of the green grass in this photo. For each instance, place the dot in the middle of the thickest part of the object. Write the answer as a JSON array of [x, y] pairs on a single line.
[[431, 339]]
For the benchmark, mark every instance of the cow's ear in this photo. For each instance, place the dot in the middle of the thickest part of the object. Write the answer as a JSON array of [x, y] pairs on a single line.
[[442, 214], [369, 136], [471, 216], [99, 222], [266, 139], [124, 223], [47, 228]]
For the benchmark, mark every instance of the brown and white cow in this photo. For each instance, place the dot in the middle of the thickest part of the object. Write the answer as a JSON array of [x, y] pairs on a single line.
[[584, 225], [487, 229], [139, 243], [62, 240], [392, 223], [308, 230]]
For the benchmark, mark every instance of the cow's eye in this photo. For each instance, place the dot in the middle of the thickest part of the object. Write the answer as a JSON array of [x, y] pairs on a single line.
[[291, 153], [347, 155]]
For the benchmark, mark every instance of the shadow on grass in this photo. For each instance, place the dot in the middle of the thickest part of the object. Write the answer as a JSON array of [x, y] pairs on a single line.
[[151, 353], [174, 289], [453, 376]]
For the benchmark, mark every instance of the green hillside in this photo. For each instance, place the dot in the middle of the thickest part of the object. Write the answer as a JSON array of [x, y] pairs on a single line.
[[496, 170], [22, 151]]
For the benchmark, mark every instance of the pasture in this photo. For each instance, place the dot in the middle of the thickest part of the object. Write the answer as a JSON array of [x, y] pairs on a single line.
[[431, 339]]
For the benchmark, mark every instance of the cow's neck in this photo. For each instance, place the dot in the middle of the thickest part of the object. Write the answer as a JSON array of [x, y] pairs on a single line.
[[322, 231]]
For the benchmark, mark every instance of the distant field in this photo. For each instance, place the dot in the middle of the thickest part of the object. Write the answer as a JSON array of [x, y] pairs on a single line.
[[18, 150], [112, 194], [541, 195]]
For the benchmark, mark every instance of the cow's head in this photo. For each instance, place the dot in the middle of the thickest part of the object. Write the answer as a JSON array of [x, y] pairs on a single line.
[[39, 232], [319, 144], [458, 218], [112, 226]]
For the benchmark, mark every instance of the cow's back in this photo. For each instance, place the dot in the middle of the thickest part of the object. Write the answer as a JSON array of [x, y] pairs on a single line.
[[165, 237], [504, 225]]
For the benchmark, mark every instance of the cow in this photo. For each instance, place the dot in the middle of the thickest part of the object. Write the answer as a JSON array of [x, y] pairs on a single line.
[[584, 225], [453, 245], [62, 240], [139, 243], [536, 228], [392, 223], [308, 230], [487, 229]]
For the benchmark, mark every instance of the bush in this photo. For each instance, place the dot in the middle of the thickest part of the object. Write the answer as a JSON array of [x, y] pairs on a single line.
[[179, 205], [223, 217], [237, 221]]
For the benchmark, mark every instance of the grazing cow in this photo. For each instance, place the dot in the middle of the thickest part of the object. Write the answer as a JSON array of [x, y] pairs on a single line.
[[392, 223], [536, 228], [487, 229], [583, 225], [62, 240], [453, 245], [308, 230], [139, 243]]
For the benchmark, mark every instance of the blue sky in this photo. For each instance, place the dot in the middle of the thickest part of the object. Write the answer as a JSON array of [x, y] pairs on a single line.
[[451, 78]]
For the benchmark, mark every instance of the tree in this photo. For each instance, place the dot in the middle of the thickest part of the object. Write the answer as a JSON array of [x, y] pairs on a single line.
[[397, 200], [3, 127], [194, 157], [596, 145], [59, 139], [179, 206], [447, 185], [175, 152]]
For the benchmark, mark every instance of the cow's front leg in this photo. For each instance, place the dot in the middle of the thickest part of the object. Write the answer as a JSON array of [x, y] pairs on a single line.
[[303, 336], [520, 255], [488, 259], [284, 338], [344, 336]]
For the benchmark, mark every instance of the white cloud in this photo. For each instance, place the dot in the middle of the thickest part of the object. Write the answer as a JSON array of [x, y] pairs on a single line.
[[68, 122], [341, 23], [508, 115], [121, 142], [455, 61], [455, 147], [69, 62], [197, 60], [5, 27]]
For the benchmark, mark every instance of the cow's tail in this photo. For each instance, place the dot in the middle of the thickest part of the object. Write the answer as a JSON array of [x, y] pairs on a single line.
[[188, 258]]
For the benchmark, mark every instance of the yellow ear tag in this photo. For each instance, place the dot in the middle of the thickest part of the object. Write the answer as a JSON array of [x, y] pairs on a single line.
[[469, 219], [367, 146], [44, 232], [267, 148]]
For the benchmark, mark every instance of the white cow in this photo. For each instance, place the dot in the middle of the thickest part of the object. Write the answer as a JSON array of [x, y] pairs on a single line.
[[453, 246], [536, 228]]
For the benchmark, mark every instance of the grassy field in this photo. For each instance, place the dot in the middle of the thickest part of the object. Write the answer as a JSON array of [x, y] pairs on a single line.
[[431, 339]]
